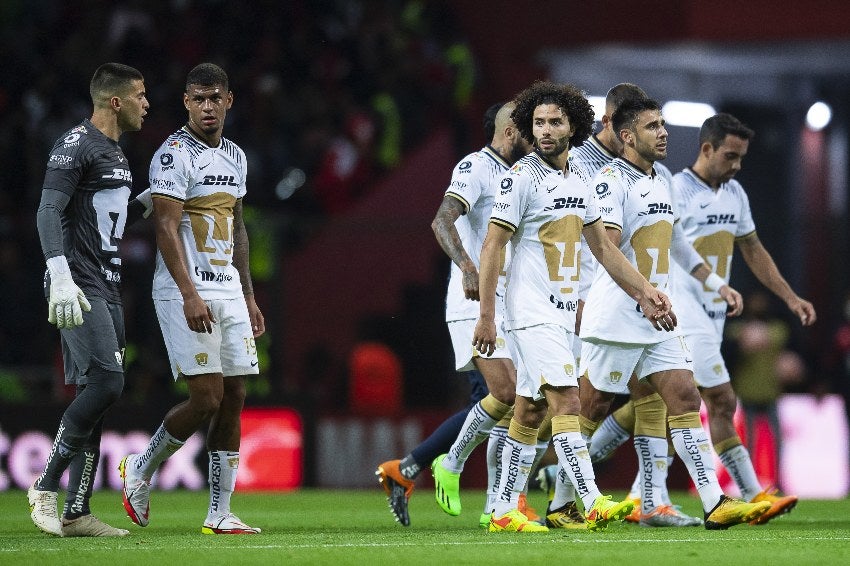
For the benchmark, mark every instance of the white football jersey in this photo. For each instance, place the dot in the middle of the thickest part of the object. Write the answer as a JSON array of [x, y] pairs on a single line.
[[474, 183], [546, 212], [207, 181], [640, 206], [587, 159], [712, 221]]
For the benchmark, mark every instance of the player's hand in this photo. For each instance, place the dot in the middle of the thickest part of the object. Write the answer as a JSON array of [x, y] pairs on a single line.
[[67, 301], [658, 311], [198, 315], [258, 323], [804, 310], [470, 285], [734, 300], [484, 337]]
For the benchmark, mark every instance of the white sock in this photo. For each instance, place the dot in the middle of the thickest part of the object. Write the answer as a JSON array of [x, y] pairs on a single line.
[[607, 438], [564, 490], [476, 428], [574, 458], [634, 491], [694, 450], [222, 478], [652, 469], [161, 446], [665, 493], [495, 445], [517, 459], [737, 461]]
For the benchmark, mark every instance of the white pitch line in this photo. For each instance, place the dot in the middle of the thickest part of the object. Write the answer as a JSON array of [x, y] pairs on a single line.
[[538, 540]]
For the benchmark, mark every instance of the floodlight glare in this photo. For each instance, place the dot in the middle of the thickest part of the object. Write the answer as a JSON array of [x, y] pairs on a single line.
[[688, 114], [818, 116]]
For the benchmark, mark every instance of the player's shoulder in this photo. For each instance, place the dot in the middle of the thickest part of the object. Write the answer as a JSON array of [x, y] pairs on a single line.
[[232, 149], [77, 144]]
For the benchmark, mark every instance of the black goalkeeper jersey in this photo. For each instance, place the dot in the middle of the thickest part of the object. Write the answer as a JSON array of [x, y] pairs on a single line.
[[92, 170]]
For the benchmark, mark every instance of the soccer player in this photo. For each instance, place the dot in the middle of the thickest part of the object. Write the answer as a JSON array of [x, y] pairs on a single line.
[[543, 209], [203, 296], [599, 150], [638, 213], [459, 226], [81, 218], [715, 215]]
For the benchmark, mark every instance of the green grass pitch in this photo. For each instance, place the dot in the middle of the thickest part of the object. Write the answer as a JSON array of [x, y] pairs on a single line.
[[355, 527]]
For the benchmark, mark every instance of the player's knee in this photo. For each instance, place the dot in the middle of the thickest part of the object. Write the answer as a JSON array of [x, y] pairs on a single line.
[[206, 402], [105, 387], [721, 406]]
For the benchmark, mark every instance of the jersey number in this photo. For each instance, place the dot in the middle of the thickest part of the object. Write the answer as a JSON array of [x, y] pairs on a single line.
[[110, 206]]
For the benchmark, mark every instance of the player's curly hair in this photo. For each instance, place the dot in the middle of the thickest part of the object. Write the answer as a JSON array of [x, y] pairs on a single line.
[[567, 97]]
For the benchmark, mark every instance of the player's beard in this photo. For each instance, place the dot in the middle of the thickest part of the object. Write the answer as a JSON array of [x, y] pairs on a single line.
[[518, 151]]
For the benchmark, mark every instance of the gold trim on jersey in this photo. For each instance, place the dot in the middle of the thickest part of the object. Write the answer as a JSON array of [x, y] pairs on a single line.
[[462, 200], [167, 197], [746, 236], [503, 223]]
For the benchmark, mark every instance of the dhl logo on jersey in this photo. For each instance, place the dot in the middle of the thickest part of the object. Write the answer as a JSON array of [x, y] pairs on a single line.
[[657, 208]]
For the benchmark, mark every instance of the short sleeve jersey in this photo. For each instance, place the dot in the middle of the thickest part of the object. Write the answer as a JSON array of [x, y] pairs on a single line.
[[640, 206], [546, 211], [474, 182], [207, 181], [92, 170], [713, 220]]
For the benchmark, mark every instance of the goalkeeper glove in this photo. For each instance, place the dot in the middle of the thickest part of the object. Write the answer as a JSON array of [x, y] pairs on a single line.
[[67, 302]]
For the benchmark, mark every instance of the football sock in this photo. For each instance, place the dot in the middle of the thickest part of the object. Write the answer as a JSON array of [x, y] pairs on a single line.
[[161, 446], [564, 490], [517, 459], [65, 447], [574, 458], [607, 438], [438, 442], [409, 467], [694, 450], [476, 428], [652, 468], [737, 461], [78, 422], [81, 475], [222, 477], [650, 443], [495, 445]]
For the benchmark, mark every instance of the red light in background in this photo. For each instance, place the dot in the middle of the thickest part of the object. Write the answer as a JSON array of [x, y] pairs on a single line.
[[271, 451]]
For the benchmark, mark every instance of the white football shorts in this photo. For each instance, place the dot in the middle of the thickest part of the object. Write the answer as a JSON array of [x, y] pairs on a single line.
[[545, 356], [229, 350], [461, 332], [709, 367], [609, 365]]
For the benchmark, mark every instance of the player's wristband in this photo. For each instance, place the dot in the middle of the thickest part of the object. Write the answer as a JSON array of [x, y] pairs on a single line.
[[714, 282]]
